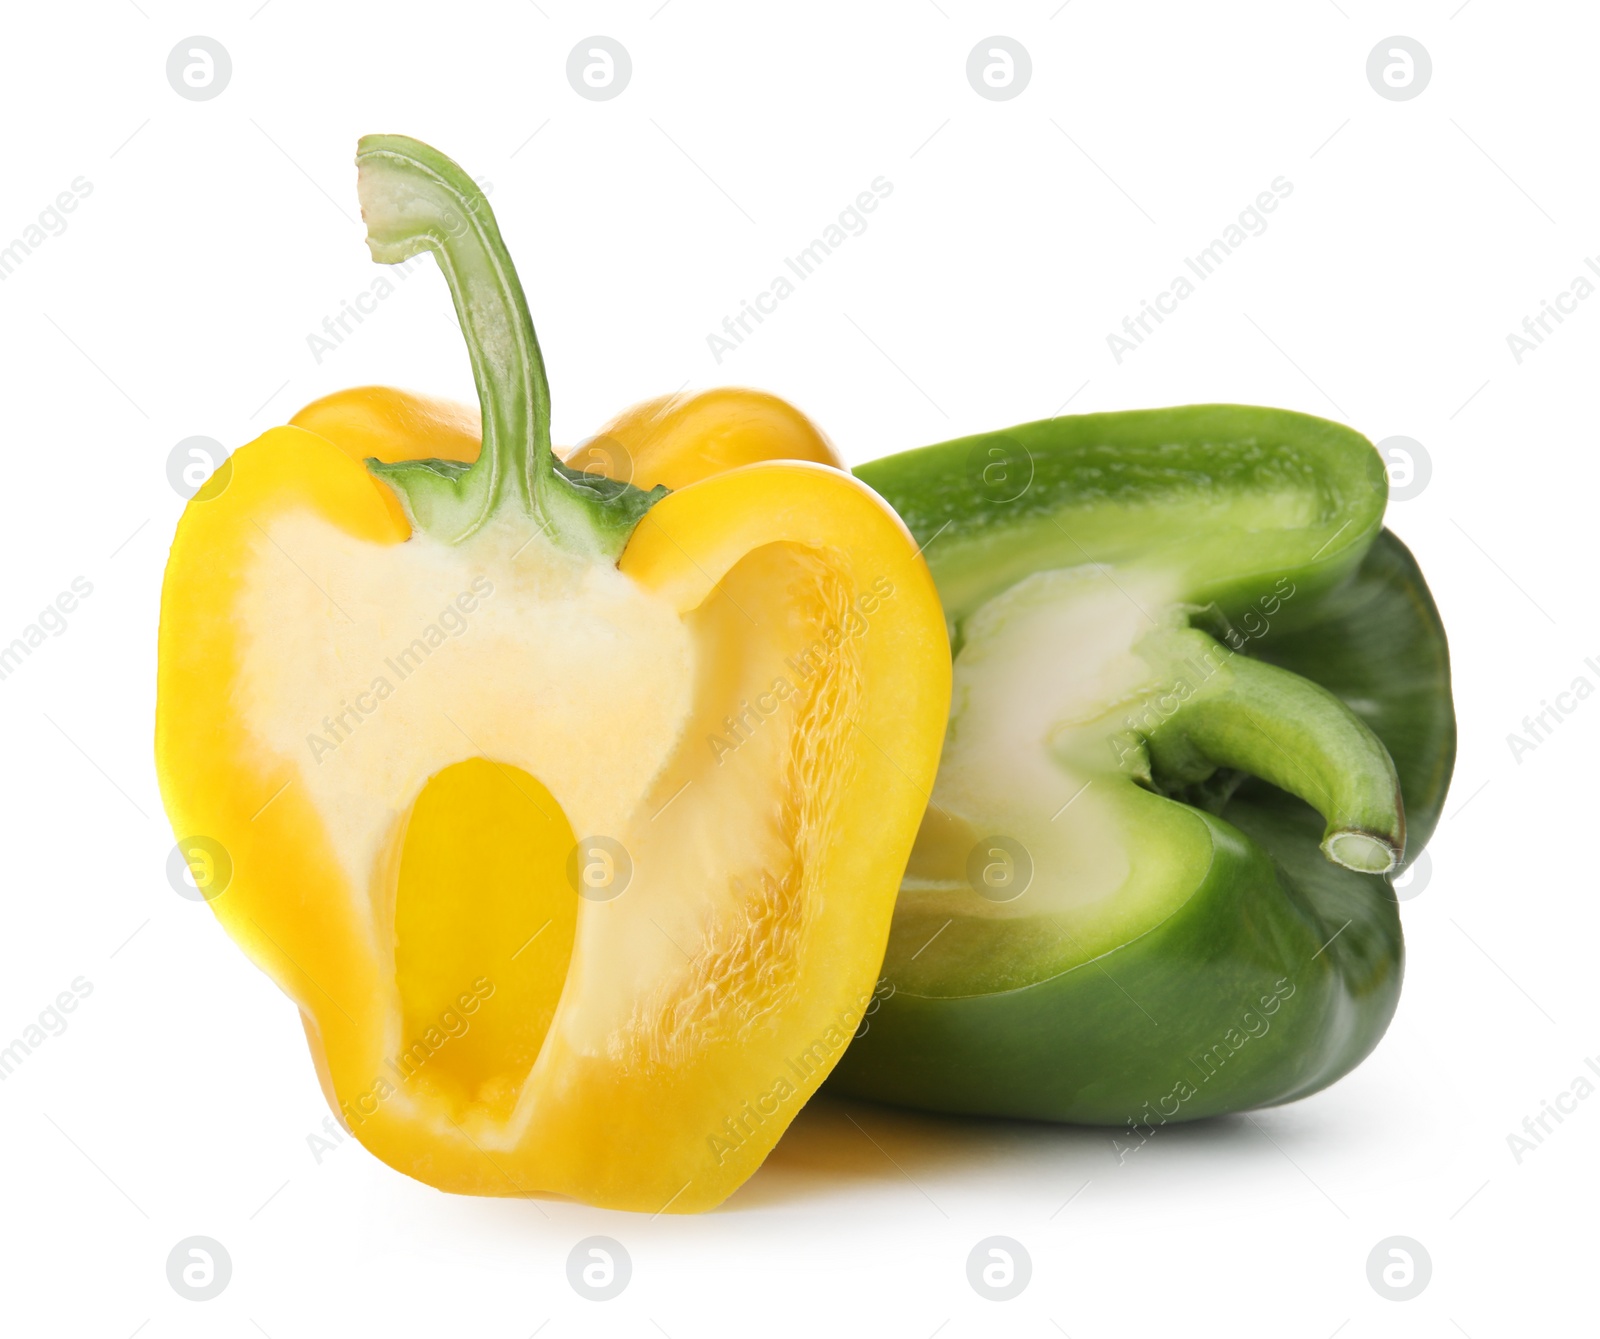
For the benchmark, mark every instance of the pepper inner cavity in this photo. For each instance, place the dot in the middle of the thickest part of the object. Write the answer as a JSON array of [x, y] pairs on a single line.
[[484, 921], [1082, 701]]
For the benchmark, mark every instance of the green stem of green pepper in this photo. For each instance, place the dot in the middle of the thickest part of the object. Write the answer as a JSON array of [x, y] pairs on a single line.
[[1141, 1012], [1288, 731]]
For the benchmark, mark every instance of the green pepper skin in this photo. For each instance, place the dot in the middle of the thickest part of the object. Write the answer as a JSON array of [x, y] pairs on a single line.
[[1281, 970]]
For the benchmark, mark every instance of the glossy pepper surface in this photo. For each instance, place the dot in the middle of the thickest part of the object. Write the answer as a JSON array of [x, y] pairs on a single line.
[[569, 812], [1201, 720]]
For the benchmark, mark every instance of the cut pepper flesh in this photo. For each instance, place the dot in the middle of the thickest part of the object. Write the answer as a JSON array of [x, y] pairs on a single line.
[[1167, 804], [579, 871], [1069, 704]]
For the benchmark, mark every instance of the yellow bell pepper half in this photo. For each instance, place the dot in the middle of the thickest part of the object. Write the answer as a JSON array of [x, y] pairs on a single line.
[[570, 815]]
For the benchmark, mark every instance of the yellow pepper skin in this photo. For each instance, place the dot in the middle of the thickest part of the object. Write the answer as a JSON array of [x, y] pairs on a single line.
[[381, 423], [677, 439], [747, 702], [672, 440]]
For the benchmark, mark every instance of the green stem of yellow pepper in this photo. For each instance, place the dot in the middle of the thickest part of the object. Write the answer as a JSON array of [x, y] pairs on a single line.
[[414, 199]]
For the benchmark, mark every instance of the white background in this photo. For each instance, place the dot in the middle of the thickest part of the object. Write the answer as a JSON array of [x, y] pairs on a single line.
[[219, 234]]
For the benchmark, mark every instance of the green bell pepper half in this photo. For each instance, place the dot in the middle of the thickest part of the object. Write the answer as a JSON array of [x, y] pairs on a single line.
[[1194, 677]]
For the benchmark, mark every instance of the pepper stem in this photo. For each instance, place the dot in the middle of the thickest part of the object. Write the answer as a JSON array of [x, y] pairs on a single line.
[[415, 199], [1227, 710]]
